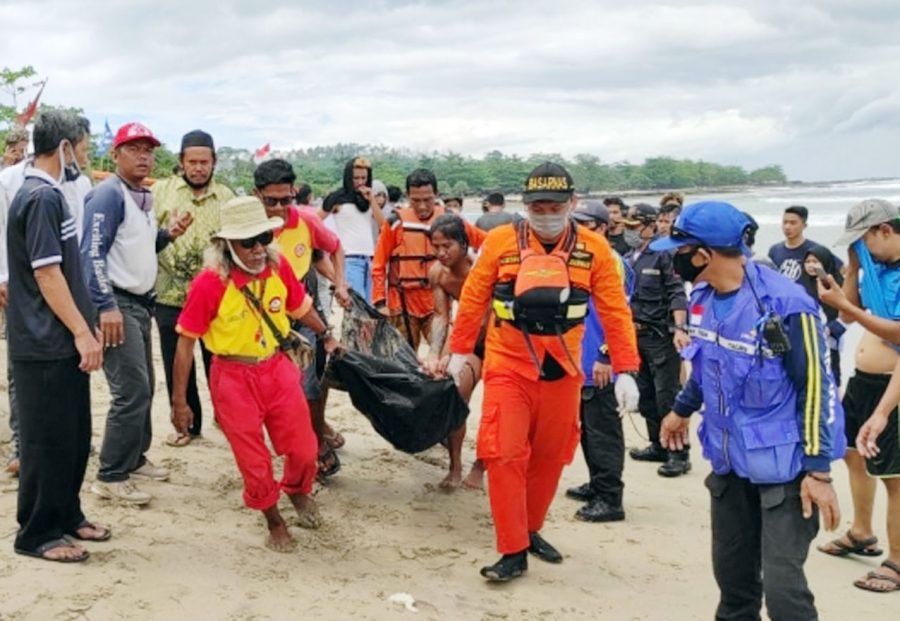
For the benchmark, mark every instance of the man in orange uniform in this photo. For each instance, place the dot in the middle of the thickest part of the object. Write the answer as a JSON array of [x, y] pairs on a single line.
[[537, 277], [403, 256]]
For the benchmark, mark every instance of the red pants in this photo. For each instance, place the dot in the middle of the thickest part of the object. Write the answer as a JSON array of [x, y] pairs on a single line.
[[248, 396], [529, 431]]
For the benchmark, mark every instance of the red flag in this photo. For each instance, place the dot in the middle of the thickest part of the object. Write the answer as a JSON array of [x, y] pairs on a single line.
[[262, 152], [29, 111]]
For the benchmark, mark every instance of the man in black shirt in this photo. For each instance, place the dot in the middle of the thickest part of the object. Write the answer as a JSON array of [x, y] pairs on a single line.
[[53, 347], [788, 255], [615, 232], [659, 307], [494, 214]]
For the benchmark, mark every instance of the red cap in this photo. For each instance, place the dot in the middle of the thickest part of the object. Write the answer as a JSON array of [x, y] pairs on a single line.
[[131, 132]]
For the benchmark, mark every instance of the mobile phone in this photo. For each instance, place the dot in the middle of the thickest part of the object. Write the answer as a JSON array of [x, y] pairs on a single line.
[[820, 273]]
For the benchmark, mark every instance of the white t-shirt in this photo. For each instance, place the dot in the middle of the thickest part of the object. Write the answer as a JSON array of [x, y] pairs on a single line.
[[354, 229]]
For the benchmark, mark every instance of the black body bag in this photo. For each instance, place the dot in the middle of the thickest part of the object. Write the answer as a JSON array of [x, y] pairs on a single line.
[[381, 373]]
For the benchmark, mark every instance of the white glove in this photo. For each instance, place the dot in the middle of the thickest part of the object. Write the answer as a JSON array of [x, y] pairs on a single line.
[[627, 394], [455, 366]]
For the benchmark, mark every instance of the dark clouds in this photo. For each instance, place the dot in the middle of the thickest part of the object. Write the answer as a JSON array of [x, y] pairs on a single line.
[[806, 84]]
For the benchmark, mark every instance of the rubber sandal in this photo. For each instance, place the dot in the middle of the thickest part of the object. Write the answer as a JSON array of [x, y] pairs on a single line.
[[41, 551], [874, 575], [329, 456], [178, 439], [857, 546], [107, 533], [334, 440]]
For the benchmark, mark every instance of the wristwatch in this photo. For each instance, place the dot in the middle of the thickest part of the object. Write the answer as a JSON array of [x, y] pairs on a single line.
[[681, 326], [324, 334]]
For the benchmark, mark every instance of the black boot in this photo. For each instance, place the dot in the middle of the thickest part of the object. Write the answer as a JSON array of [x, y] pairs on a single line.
[[508, 567], [601, 510], [543, 550], [652, 452], [583, 492], [678, 463]]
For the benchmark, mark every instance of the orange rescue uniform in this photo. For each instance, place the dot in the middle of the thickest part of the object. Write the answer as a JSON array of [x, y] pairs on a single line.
[[529, 426], [403, 256]]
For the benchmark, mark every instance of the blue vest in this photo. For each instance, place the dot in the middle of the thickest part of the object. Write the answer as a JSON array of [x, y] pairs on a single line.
[[751, 425]]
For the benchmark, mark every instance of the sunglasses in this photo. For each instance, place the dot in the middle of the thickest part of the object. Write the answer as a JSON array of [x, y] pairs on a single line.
[[677, 233], [263, 238], [270, 201]]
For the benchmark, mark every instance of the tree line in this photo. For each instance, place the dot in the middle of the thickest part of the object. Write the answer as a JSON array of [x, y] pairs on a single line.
[[322, 168]]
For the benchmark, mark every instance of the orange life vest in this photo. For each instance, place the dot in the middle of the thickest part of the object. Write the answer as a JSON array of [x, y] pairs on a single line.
[[413, 255]]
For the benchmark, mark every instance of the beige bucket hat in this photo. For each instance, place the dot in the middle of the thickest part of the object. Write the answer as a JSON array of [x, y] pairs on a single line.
[[244, 217]]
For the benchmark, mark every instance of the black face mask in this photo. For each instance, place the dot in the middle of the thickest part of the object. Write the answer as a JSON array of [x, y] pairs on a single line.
[[684, 268]]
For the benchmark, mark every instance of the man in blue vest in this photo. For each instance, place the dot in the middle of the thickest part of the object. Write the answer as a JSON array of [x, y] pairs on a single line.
[[771, 424]]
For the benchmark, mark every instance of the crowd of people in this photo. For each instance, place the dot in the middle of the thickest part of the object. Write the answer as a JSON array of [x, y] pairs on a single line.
[[569, 313]]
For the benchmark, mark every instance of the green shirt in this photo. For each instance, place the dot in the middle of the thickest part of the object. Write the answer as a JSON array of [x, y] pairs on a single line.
[[181, 260]]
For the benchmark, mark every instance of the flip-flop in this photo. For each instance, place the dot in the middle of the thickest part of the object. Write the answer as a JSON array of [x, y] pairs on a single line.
[[178, 439], [860, 547], [874, 575], [41, 552], [329, 455], [335, 440], [107, 533]]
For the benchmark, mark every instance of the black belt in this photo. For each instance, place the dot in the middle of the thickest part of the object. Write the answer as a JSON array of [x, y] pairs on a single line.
[[147, 300]]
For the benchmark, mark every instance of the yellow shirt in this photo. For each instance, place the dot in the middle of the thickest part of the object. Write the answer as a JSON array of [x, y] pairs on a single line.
[[181, 260], [229, 323]]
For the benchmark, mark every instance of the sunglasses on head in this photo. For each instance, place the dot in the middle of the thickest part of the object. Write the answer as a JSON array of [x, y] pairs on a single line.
[[270, 201], [264, 239]]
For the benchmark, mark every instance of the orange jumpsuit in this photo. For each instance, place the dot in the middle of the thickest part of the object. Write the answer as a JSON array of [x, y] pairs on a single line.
[[408, 237], [529, 426]]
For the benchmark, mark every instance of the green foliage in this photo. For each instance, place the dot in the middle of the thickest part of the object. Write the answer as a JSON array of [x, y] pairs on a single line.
[[323, 167]]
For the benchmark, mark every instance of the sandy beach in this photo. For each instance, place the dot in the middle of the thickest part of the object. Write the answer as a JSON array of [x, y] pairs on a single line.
[[196, 553]]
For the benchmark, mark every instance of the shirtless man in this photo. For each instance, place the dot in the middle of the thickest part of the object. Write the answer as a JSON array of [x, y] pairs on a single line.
[[446, 278]]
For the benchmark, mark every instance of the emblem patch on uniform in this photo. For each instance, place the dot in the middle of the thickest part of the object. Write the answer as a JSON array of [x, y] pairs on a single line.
[[275, 304], [300, 250], [696, 314], [581, 258], [511, 259]]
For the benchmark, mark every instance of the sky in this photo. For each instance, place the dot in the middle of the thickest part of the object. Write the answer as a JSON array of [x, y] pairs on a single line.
[[811, 86]]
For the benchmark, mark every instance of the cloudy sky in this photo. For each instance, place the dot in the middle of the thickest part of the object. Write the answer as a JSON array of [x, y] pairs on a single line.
[[809, 85]]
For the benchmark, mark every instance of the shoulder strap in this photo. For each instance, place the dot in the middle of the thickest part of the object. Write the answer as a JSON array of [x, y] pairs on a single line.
[[283, 343]]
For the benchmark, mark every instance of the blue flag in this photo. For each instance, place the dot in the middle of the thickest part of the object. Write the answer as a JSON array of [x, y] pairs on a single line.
[[106, 141]]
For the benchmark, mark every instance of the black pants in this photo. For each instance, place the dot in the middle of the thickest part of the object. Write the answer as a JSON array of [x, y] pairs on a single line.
[[54, 399], [760, 541], [658, 379], [603, 442], [166, 319]]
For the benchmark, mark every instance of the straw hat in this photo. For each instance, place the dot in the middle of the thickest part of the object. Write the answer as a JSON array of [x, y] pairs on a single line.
[[244, 217]]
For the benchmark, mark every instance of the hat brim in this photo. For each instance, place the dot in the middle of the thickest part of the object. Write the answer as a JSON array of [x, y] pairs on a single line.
[[246, 232], [555, 197], [581, 216], [850, 236], [669, 243], [151, 139]]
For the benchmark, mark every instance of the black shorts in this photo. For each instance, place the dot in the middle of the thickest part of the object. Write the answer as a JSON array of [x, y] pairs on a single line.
[[864, 391]]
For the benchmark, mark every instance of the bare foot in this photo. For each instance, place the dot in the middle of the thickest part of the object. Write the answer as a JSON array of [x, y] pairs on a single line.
[[279, 539], [475, 478], [307, 511], [452, 480]]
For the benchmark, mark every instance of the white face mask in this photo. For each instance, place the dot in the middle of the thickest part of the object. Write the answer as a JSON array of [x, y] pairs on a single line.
[[67, 171], [240, 264], [548, 226]]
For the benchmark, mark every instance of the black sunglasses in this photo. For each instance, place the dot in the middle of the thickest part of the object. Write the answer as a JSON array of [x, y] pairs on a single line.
[[270, 201], [263, 238]]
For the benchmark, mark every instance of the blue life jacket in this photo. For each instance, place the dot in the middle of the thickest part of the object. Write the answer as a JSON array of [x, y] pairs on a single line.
[[751, 423]]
